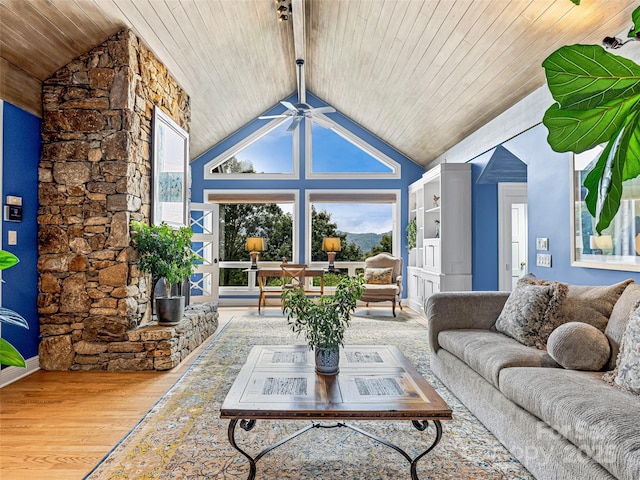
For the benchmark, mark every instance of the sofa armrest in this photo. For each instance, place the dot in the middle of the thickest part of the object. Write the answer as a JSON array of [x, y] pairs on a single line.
[[458, 310]]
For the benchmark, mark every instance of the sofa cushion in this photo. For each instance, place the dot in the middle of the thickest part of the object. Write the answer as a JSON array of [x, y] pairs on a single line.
[[597, 418], [627, 372], [488, 352], [619, 318], [528, 308], [579, 346]]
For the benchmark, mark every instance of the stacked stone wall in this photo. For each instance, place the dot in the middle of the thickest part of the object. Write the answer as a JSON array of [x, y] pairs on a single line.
[[94, 178]]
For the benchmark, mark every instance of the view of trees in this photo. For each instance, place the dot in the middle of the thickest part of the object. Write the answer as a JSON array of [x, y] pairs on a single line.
[[269, 221]]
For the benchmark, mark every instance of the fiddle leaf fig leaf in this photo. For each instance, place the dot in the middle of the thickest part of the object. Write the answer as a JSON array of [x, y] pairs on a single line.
[[618, 162], [635, 16], [580, 130], [577, 2], [10, 356], [582, 77]]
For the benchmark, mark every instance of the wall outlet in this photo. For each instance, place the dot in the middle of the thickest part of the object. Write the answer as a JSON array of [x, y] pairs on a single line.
[[12, 237], [543, 260], [542, 244]]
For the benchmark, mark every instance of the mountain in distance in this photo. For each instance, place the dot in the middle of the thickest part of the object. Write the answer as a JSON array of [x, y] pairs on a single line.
[[366, 241]]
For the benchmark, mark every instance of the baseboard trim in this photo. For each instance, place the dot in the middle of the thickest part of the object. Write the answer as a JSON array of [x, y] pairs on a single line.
[[11, 374]]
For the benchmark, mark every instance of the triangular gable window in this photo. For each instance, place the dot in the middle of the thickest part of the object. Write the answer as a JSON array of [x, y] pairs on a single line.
[[268, 152], [338, 152]]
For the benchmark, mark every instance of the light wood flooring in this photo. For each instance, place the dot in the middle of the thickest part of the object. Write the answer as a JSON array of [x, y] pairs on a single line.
[[59, 425]]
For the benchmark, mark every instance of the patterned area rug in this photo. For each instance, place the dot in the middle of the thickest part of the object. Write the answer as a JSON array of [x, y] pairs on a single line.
[[183, 437]]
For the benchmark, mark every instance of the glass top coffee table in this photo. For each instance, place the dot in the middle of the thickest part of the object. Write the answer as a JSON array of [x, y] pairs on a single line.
[[375, 382]]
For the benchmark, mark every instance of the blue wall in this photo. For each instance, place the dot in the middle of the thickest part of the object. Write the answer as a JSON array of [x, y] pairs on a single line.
[[484, 225], [549, 192], [20, 159], [410, 171]]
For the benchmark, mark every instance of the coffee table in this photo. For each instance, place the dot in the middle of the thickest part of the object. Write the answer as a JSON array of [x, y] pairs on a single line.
[[375, 382]]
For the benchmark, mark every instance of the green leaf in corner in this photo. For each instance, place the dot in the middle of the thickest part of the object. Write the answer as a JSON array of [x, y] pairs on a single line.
[[7, 259], [10, 356], [618, 162], [635, 16], [582, 77]]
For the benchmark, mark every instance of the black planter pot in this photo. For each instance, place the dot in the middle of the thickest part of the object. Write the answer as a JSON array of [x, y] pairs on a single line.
[[169, 310]]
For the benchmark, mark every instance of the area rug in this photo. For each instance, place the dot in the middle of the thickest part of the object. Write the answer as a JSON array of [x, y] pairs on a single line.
[[183, 437]]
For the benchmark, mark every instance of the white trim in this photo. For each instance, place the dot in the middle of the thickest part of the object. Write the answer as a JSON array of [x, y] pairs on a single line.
[[244, 143], [12, 374], [508, 194], [357, 142], [359, 196]]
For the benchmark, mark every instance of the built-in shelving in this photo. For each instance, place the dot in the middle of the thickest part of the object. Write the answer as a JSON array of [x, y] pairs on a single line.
[[440, 202]]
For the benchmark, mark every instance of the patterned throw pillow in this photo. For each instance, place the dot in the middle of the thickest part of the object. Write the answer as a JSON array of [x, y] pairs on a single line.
[[626, 375], [583, 303], [527, 309], [378, 276]]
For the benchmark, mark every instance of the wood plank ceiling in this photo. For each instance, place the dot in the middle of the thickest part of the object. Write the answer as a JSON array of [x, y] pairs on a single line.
[[420, 74]]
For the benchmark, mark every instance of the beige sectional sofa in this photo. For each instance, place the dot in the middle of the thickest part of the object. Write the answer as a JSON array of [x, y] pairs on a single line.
[[560, 423]]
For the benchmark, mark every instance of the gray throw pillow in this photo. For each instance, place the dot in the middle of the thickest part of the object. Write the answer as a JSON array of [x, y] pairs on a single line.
[[626, 375], [625, 306], [528, 307], [582, 303], [579, 346]]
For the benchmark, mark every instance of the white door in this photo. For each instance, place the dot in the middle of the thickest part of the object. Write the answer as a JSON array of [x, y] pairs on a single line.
[[518, 242], [512, 234], [205, 242]]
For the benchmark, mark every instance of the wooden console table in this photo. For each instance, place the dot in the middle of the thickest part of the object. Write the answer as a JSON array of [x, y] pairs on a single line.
[[375, 382], [265, 273]]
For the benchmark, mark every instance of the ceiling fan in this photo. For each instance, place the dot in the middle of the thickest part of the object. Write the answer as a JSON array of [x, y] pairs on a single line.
[[302, 110]]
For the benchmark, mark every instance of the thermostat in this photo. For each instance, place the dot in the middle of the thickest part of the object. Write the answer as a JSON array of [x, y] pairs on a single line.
[[13, 213]]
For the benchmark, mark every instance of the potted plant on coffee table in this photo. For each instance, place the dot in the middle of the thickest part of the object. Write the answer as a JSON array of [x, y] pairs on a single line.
[[166, 253], [324, 319]]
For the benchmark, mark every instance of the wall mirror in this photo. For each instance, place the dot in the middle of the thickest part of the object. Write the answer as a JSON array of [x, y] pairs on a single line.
[[618, 246], [170, 171]]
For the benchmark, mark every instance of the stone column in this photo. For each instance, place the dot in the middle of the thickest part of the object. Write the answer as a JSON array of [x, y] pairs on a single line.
[[94, 178]]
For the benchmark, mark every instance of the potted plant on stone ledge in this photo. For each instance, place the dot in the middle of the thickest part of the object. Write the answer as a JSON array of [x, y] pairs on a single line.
[[324, 320], [166, 253]]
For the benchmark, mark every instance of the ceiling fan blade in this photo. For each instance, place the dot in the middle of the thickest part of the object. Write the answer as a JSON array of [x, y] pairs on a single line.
[[323, 110], [289, 106], [294, 124], [322, 121], [268, 117]]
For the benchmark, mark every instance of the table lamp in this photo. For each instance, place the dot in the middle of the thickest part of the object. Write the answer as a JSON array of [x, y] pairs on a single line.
[[331, 245], [255, 245]]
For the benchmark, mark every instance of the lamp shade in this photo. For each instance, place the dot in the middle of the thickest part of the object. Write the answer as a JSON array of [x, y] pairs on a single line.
[[603, 242], [331, 244], [255, 244]]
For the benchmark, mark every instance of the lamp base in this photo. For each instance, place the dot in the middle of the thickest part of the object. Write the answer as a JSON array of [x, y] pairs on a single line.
[[254, 260]]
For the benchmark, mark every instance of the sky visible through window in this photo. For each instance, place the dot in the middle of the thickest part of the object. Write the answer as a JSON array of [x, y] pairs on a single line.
[[359, 217], [271, 153], [332, 153]]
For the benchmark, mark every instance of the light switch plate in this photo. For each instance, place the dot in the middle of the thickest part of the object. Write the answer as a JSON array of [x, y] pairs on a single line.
[[543, 260], [12, 237], [542, 243]]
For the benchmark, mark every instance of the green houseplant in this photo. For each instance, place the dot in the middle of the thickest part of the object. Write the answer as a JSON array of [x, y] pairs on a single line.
[[597, 98], [8, 353], [411, 234], [166, 253], [323, 320]]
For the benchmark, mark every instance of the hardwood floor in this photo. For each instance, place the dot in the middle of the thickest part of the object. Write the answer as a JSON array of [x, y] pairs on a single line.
[[59, 425]]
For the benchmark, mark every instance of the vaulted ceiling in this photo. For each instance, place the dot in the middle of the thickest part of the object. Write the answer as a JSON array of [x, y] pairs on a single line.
[[420, 74]]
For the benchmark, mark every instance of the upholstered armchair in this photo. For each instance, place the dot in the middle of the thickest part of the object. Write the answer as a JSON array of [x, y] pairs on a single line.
[[383, 277]]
